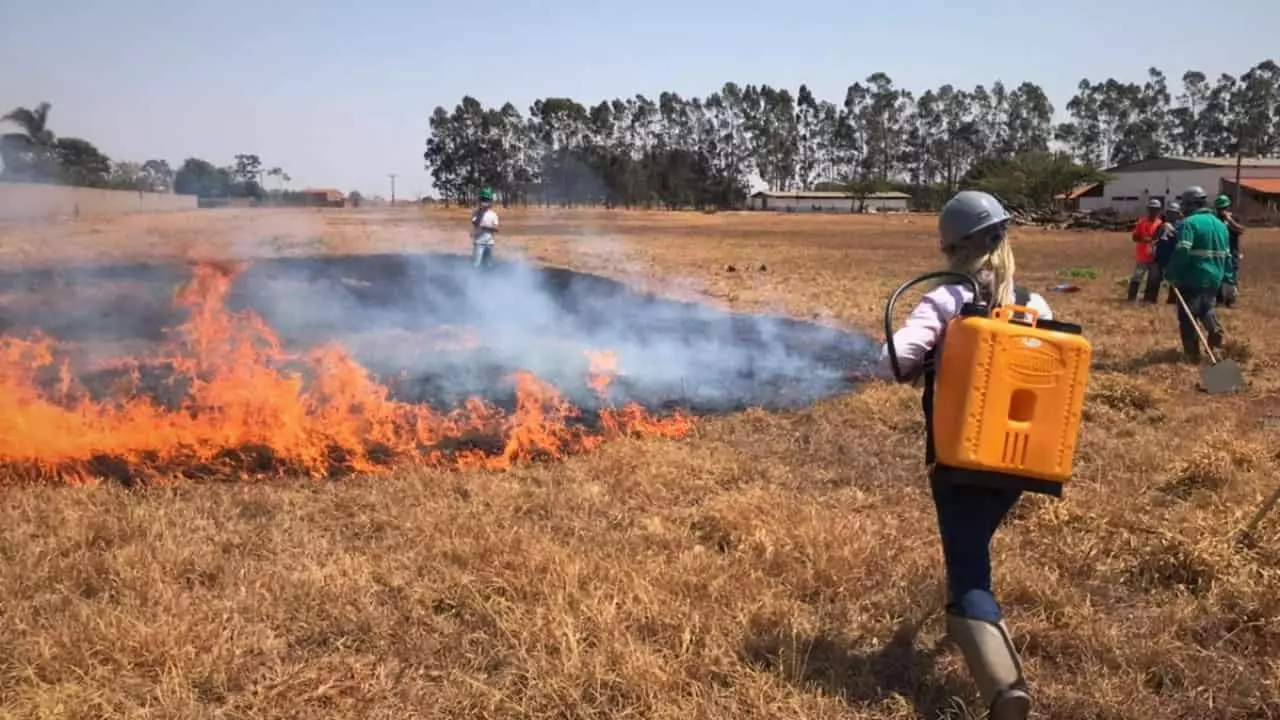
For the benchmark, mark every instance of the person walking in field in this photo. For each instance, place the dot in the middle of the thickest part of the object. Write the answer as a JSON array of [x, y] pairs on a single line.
[[974, 230], [1200, 264], [1144, 265], [1229, 291], [1166, 241], [484, 225]]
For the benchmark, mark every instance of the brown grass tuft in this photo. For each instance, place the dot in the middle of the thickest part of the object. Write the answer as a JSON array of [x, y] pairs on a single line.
[[1172, 564]]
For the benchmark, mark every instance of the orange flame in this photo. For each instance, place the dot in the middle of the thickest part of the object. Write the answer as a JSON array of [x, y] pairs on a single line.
[[632, 417], [604, 368], [247, 408]]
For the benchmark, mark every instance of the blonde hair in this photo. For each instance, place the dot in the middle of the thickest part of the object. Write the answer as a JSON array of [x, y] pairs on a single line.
[[990, 267]]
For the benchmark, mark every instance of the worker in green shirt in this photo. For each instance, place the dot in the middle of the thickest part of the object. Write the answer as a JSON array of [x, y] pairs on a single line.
[[1228, 293], [1201, 262]]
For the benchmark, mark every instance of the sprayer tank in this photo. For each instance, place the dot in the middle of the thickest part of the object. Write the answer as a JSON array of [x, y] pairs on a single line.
[[1009, 397]]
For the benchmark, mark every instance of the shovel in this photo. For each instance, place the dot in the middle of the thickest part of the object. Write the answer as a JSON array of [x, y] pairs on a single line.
[[1217, 377]]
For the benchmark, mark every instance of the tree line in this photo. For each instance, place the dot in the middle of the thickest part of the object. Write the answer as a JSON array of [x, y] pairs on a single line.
[[674, 151], [35, 154]]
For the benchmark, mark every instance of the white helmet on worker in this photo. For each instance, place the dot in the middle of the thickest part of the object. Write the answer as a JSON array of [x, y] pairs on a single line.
[[971, 215]]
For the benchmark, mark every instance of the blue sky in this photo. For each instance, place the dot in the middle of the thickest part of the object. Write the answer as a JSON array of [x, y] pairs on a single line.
[[338, 93]]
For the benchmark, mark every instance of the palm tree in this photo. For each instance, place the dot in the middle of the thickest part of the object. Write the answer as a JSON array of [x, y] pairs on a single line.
[[30, 152], [34, 123]]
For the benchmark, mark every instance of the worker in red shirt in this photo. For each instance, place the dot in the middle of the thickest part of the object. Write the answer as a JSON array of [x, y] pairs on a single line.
[[1144, 254]]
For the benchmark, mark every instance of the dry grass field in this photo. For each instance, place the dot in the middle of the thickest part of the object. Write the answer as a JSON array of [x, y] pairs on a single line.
[[766, 565]]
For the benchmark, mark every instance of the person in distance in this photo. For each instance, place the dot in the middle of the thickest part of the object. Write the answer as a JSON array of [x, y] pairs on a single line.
[[484, 225], [1200, 264], [1144, 254], [1166, 241], [1229, 291]]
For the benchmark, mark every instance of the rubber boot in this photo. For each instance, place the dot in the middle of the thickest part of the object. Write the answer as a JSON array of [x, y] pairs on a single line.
[[1133, 290], [1215, 338], [993, 664], [1191, 352], [1171, 299]]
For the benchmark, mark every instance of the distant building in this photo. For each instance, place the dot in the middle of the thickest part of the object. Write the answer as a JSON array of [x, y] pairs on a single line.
[[885, 202], [828, 201], [323, 197], [1257, 195], [1133, 185]]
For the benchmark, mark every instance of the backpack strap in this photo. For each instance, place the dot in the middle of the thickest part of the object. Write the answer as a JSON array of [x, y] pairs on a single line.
[[930, 366], [1021, 296]]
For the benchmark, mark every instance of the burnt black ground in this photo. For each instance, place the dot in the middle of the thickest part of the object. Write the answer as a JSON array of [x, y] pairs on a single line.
[[672, 354]]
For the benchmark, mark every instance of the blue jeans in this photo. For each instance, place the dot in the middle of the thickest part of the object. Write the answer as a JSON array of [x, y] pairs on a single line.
[[1154, 276], [481, 255], [1200, 302], [968, 516]]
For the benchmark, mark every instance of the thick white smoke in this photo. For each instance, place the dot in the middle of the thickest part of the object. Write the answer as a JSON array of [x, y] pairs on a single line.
[[525, 317]]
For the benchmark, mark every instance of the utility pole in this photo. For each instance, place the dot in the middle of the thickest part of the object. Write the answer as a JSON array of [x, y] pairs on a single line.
[[1235, 201], [393, 189]]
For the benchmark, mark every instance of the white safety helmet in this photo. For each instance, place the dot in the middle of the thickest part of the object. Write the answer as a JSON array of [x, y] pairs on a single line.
[[969, 213]]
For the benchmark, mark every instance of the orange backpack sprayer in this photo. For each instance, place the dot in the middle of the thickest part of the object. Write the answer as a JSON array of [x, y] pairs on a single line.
[[1009, 392]]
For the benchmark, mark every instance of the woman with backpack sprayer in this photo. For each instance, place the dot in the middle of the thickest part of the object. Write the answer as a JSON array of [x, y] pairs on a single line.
[[973, 227]]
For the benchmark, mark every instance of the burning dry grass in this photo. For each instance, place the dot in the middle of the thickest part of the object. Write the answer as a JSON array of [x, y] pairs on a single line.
[[239, 409], [771, 565]]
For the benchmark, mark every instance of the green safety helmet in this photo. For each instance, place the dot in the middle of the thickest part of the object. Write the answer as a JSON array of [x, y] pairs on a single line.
[[967, 213], [486, 195], [1222, 202]]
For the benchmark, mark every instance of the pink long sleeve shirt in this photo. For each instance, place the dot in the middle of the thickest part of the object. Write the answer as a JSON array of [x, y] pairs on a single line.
[[926, 327]]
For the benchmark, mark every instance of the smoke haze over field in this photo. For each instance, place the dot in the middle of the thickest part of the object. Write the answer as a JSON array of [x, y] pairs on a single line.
[[544, 320], [435, 330]]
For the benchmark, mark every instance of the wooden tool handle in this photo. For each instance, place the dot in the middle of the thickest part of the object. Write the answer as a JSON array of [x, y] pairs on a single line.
[[1204, 342]]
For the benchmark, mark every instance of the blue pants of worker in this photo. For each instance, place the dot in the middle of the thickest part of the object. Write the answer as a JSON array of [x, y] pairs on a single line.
[[968, 516], [1200, 302], [481, 255]]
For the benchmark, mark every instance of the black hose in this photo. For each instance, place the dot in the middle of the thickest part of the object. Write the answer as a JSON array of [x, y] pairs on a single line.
[[893, 300]]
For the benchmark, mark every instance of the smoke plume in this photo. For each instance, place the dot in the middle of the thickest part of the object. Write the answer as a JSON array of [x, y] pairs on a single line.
[[448, 331]]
